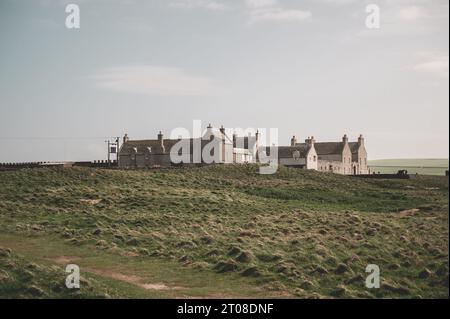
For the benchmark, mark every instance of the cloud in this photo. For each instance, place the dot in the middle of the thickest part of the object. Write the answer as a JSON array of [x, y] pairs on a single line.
[[437, 66], [205, 4], [400, 18], [257, 10], [339, 2], [260, 3], [271, 10], [277, 14], [154, 81], [411, 13]]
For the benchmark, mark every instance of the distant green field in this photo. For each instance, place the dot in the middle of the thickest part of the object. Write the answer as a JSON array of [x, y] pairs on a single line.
[[413, 166]]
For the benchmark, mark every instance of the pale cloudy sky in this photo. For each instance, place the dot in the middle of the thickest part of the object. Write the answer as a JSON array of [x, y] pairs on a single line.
[[306, 67]]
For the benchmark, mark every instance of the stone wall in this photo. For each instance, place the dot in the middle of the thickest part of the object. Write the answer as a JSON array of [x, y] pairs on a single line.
[[336, 167]]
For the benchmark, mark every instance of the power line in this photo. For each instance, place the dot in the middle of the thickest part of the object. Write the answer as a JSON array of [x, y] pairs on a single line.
[[57, 138]]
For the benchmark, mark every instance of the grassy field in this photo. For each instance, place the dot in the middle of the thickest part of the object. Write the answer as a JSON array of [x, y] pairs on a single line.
[[221, 232], [413, 166]]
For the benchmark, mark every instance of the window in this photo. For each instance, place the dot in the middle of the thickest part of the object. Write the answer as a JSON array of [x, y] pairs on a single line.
[[315, 158]]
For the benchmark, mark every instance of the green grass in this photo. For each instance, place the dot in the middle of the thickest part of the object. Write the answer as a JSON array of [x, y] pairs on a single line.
[[226, 231], [414, 166], [22, 278]]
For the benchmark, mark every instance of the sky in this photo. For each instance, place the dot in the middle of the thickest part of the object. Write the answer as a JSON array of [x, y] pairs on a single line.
[[305, 67]]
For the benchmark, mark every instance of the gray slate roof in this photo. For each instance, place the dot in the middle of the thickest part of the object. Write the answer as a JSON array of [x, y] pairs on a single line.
[[288, 151], [329, 148], [354, 146], [142, 146]]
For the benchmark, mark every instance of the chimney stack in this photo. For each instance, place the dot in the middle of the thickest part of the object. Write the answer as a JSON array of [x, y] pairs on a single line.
[[293, 141], [209, 132], [222, 132], [161, 138], [125, 138], [310, 140], [345, 139], [360, 140]]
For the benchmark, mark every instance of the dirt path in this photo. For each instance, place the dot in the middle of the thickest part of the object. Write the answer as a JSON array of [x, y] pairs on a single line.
[[131, 279], [149, 278]]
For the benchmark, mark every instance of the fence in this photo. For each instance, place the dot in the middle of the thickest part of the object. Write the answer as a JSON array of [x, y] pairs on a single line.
[[16, 166]]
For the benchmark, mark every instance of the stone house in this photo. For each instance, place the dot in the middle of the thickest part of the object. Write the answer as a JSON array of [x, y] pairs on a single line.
[[245, 148], [359, 157], [347, 158], [298, 155], [214, 147]]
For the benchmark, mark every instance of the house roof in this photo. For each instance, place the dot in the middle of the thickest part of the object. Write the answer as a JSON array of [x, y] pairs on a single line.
[[329, 148], [154, 146], [141, 146], [288, 151], [354, 147]]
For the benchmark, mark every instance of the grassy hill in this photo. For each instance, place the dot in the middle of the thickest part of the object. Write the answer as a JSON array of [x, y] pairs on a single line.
[[222, 231], [419, 166]]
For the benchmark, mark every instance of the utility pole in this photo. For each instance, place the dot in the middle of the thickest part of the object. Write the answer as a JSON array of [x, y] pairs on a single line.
[[109, 151], [113, 148], [118, 148]]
